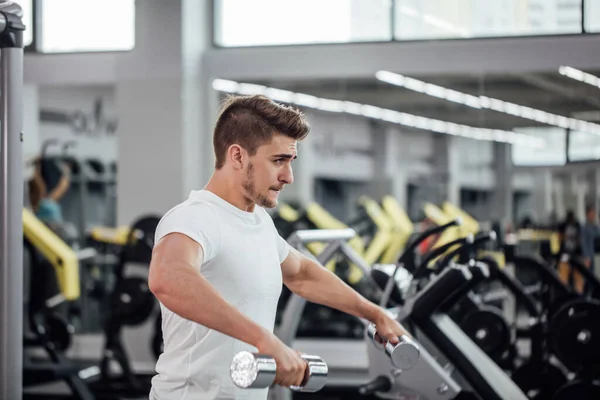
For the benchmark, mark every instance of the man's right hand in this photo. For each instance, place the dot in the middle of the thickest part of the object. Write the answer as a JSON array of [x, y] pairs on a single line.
[[291, 368]]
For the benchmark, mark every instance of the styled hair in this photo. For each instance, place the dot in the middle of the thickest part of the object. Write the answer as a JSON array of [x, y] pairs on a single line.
[[251, 121]]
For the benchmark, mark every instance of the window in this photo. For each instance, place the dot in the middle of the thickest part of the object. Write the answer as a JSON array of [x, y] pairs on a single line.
[[286, 22], [90, 25], [592, 16], [553, 154], [432, 19], [584, 146]]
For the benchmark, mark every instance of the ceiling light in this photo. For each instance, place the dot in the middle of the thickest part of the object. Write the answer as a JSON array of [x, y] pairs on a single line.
[[579, 75], [373, 112], [488, 102]]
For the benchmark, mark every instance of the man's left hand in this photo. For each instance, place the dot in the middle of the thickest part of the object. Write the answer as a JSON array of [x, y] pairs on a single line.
[[388, 329]]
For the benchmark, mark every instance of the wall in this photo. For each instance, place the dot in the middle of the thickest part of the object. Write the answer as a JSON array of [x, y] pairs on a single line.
[[31, 131], [476, 158], [353, 156], [342, 146], [82, 114]]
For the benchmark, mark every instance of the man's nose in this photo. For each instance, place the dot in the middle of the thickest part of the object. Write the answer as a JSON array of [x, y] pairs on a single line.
[[287, 176]]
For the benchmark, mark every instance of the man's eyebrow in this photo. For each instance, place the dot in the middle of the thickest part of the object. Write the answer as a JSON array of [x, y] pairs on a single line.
[[285, 155]]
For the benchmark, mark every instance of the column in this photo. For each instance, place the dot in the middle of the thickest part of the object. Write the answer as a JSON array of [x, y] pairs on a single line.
[[593, 179], [502, 209], [446, 165], [162, 101], [558, 191], [31, 128], [166, 108], [543, 196]]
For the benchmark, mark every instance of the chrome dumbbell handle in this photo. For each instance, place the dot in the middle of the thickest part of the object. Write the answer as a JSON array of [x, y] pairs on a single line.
[[251, 370], [316, 375], [404, 354]]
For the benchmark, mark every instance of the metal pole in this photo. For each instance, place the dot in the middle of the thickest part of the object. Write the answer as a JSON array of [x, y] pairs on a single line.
[[11, 203]]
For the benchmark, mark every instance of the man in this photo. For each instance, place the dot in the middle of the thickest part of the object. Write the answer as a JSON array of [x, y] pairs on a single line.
[[589, 232], [218, 263], [570, 235]]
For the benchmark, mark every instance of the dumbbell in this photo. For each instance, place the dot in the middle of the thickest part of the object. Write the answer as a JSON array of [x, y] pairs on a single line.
[[252, 370], [404, 354]]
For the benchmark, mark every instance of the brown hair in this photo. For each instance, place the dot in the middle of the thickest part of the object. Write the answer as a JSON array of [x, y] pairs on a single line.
[[36, 193], [251, 121]]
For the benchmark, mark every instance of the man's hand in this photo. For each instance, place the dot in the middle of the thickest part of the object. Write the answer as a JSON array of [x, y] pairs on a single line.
[[291, 368], [388, 329]]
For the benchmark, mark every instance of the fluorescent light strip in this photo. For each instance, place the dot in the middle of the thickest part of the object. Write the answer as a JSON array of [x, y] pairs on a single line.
[[579, 75], [487, 102], [369, 111]]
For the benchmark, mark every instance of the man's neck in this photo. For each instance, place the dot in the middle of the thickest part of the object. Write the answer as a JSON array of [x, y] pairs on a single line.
[[227, 188]]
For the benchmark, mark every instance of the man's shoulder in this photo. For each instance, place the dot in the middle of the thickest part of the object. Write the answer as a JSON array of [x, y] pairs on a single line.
[[191, 208]]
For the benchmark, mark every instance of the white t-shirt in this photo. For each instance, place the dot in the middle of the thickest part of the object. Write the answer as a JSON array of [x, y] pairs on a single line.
[[243, 253]]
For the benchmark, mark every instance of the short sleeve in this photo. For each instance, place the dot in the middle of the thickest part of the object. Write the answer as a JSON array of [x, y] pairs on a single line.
[[197, 221], [283, 248]]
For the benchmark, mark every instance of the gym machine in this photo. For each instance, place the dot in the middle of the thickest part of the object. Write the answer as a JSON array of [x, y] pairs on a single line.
[[130, 304], [569, 334], [11, 200], [345, 358], [452, 365], [51, 260]]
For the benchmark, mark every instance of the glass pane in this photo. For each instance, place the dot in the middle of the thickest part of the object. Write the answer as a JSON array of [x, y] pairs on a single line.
[[553, 154], [286, 22], [584, 146], [592, 15], [431, 19], [93, 25]]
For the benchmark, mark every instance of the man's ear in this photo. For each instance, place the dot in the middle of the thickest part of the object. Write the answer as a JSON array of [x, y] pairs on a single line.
[[237, 155]]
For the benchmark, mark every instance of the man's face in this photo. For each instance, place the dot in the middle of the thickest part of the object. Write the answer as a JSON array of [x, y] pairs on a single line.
[[269, 170], [591, 215]]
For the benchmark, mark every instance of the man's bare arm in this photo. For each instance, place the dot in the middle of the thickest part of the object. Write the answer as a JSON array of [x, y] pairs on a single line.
[[317, 284], [178, 285]]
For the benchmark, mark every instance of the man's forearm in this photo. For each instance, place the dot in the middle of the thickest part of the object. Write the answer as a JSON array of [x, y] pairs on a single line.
[[188, 294], [319, 285]]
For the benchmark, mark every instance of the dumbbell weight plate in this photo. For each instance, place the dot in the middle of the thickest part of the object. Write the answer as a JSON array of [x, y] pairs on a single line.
[[316, 375], [578, 390], [252, 370], [543, 379], [59, 331], [404, 354], [558, 303], [131, 301], [575, 334], [488, 329]]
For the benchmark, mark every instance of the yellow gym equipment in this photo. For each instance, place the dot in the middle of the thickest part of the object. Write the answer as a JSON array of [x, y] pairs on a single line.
[[402, 229], [322, 219], [469, 224], [56, 251], [439, 217], [115, 236], [383, 236]]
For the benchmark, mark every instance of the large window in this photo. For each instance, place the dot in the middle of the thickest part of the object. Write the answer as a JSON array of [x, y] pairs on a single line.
[[86, 25], [27, 6], [592, 15], [288, 22], [554, 153], [583, 146], [285, 22], [429, 19]]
